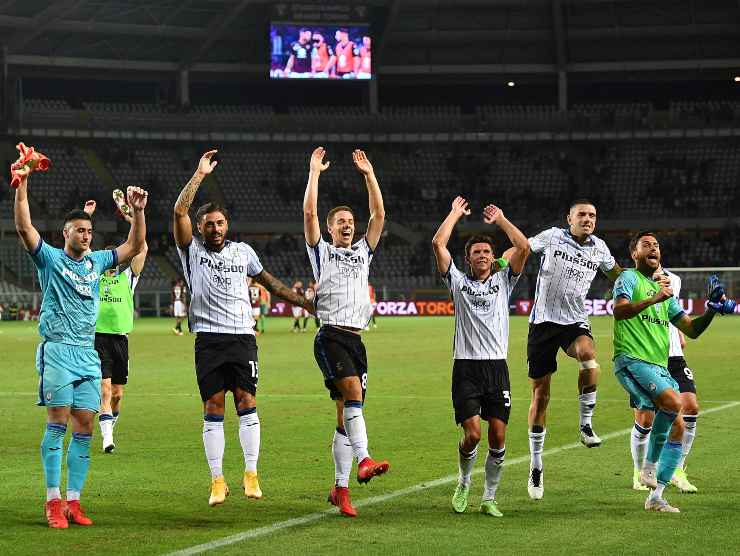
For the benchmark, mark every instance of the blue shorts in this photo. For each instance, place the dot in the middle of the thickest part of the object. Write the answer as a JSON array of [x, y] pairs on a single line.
[[643, 381], [69, 376]]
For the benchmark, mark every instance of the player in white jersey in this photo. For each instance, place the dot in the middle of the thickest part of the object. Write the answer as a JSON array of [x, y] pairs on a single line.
[[480, 376], [217, 272], [569, 260], [341, 270], [684, 376], [179, 305], [297, 310]]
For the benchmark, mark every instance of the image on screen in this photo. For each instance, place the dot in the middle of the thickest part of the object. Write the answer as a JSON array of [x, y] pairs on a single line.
[[320, 51]]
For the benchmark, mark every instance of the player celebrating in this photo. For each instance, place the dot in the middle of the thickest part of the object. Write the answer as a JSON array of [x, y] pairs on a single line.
[[115, 321], [179, 304], [217, 272], [297, 309], [569, 260], [643, 312], [68, 365], [341, 271], [480, 376], [684, 376]]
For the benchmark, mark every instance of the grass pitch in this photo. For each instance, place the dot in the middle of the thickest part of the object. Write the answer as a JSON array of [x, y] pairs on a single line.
[[150, 496]]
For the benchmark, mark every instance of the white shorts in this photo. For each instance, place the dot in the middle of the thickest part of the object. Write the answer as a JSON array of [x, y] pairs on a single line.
[[255, 313], [297, 312], [179, 310]]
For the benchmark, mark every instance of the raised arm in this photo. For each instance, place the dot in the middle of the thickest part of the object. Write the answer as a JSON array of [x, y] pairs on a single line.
[[182, 227], [311, 226], [22, 214], [134, 244], [440, 239], [137, 263], [273, 285], [516, 255], [375, 199], [717, 303]]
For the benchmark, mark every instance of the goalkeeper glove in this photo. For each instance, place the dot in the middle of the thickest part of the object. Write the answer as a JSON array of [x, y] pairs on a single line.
[[717, 300]]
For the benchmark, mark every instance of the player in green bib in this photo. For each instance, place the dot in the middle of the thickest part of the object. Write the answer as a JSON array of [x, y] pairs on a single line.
[[115, 320], [643, 312]]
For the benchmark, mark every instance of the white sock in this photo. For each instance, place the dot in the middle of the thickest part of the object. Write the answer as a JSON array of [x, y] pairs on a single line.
[[494, 468], [467, 462], [341, 451], [73, 495], [687, 440], [53, 493], [658, 492], [106, 428], [638, 444], [354, 424], [249, 436], [213, 442], [536, 445], [587, 403]]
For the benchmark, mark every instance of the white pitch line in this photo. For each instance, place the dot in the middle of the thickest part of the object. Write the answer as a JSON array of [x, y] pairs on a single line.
[[310, 518]]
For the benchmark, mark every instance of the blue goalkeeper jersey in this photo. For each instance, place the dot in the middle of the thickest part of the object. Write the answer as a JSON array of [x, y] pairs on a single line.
[[70, 292]]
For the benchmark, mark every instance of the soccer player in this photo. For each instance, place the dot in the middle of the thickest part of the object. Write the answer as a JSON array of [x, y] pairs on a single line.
[[254, 300], [217, 272], [265, 304], [644, 309], [115, 321], [569, 260], [299, 62], [345, 53], [480, 376], [297, 309], [365, 59], [310, 294], [373, 302], [341, 270], [68, 365], [322, 56], [684, 377], [179, 304]]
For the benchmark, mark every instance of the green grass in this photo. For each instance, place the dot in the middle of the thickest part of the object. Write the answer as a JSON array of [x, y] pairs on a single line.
[[150, 496]]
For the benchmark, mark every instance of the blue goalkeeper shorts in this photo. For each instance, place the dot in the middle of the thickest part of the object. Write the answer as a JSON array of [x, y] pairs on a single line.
[[69, 376], [643, 381]]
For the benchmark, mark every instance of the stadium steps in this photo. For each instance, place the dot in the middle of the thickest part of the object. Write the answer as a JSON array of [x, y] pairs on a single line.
[[403, 232], [101, 170], [165, 266]]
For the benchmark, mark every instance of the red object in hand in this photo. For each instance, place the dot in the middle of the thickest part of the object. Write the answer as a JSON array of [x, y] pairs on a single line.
[[28, 161]]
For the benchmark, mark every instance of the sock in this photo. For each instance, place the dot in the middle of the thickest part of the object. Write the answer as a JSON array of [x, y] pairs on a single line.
[[305, 322], [638, 444], [354, 424], [661, 426], [249, 436], [536, 445], [587, 403], [467, 462], [115, 417], [494, 468], [72, 495], [51, 458], [688, 438], [669, 458], [341, 451], [213, 442], [658, 492], [106, 427], [78, 462]]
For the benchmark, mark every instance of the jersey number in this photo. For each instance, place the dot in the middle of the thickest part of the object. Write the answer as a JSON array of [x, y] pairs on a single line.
[[688, 373], [255, 369], [507, 398], [363, 381]]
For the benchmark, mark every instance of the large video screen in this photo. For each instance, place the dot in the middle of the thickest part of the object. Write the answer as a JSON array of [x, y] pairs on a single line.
[[320, 51]]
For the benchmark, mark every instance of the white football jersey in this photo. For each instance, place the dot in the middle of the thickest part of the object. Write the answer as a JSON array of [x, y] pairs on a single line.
[[675, 350], [341, 275], [567, 269], [219, 286], [481, 313]]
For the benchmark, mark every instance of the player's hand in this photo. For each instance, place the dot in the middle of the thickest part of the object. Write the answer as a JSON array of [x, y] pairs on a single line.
[[492, 214], [137, 198], [662, 279], [665, 292], [89, 207], [361, 162], [460, 207], [206, 165], [317, 160]]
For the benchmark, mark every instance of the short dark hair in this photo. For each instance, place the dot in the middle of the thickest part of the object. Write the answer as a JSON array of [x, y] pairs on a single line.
[[332, 212], [636, 238], [209, 208], [582, 201], [76, 214], [478, 238]]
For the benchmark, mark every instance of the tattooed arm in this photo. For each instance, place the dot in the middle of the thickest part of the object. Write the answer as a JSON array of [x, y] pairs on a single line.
[[182, 227], [275, 286]]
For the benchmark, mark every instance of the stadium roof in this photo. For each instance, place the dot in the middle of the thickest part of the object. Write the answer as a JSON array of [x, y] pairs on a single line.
[[536, 38]]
